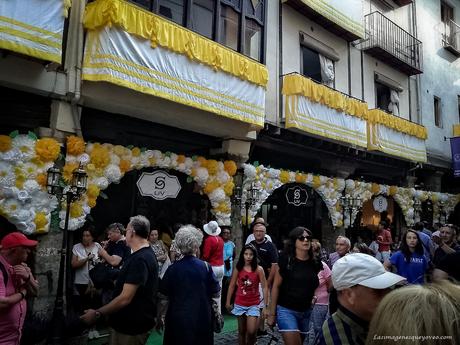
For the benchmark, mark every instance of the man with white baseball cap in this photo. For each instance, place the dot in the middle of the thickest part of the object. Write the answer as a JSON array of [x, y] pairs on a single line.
[[361, 282]]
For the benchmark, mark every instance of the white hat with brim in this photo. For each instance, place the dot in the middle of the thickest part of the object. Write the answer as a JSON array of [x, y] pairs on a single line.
[[362, 269], [212, 228]]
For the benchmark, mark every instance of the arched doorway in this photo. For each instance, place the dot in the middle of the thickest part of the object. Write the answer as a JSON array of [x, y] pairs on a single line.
[[372, 213], [125, 200], [292, 205]]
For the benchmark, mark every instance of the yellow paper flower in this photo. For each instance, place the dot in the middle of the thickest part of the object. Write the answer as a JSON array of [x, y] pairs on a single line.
[[75, 145], [76, 210], [213, 167], [393, 190], [41, 179], [119, 150], [125, 165], [68, 170], [91, 202], [47, 149], [339, 223], [136, 152], [316, 182], [100, 156], [5, 143], [300, 178], [223, 207], [228, 188], [180, 159], [93, 191], [284, 176], [230, 167], [202, 161], [375, 188], [210, 187], [152, 161], [40, 222], [20, 179]]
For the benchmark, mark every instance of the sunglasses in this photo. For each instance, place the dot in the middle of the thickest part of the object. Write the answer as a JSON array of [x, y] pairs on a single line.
[[303, 238]]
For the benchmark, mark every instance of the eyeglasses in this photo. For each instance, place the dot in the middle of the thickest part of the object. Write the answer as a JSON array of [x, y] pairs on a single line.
[[303, 238]]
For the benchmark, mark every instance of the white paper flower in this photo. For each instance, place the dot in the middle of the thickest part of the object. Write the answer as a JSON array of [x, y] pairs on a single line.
[[31, 186], [201, 176], [113, 173], [249, 171], [114, 159], [223, 177], [23, 195], [217, 195], [7, 178], [25, 145]]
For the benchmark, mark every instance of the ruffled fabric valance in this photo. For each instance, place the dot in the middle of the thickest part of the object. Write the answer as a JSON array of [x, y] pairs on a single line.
[[399, 124], [169, 35], [295, 84]]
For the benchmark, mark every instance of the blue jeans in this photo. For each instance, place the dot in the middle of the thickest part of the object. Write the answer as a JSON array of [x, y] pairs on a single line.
[[318, 316], [289, 320]]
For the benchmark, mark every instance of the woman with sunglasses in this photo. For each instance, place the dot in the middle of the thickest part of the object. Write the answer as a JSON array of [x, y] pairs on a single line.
[[294, 287]]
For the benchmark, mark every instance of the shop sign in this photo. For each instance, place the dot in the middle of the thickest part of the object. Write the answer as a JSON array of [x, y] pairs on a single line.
[[158, 185], [296, 196], [380, 203]]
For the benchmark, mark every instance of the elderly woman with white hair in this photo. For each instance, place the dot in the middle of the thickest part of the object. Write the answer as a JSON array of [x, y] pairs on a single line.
[[189, 285]]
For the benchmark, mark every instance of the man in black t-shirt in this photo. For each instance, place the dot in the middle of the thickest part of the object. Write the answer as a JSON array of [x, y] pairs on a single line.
[[266, 251], [131, 314]]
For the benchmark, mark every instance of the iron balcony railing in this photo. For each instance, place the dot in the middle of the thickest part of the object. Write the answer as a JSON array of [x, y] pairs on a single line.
[[451, 36], [386, 35]]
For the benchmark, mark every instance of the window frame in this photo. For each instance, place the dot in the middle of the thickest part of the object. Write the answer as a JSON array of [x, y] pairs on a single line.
[[437, 111], [244, 15]]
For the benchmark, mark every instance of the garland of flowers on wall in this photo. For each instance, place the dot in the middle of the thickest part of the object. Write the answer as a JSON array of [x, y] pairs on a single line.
[[107, 163], [267, 180], [24, 201]]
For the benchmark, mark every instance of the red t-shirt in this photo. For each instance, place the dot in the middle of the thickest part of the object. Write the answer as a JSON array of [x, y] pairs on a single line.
[[213, 250], [247, 291], [386, 237]]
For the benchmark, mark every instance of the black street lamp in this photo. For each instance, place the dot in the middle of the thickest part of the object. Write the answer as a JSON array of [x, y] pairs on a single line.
[[350, 205], [252, 195], [69, 193]]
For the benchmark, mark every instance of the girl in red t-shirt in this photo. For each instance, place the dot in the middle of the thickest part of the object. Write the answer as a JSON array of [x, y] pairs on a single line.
[[249, 280]]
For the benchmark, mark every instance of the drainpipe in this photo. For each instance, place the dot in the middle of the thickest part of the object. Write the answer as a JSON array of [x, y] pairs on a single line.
[[417, 77], [75, 56], [280, 62], [349, 67]]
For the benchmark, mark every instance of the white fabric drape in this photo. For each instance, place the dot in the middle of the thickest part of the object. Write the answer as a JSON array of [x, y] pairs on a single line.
[[318, 119], [115, 56], [393, 106], [32, 27], [396, 143], [327, 70]]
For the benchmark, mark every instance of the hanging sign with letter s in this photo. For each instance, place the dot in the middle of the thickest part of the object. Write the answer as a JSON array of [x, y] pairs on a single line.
[[158, 185]]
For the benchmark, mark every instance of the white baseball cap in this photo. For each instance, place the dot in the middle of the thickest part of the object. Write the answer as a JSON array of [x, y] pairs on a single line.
[[362, 269]]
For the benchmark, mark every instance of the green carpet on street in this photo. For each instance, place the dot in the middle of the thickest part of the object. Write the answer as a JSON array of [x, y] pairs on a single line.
[[230, 325]]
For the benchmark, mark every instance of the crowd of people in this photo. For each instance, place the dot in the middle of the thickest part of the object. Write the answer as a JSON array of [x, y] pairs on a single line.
[[138, 280]]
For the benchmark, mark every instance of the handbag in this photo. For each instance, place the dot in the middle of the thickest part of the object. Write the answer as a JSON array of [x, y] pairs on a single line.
[[103, 275], [217, 318]]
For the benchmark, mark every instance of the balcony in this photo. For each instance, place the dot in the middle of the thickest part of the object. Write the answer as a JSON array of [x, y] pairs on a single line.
[[348, 26], [33, 28], [134, 49], [403, 2], [321, 111], [390, 43], [451, 37]]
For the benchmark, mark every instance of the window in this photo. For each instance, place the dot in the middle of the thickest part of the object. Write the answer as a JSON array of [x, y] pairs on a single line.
[[447, 13], [383, 96], [311, 66], [173, 10], [203, 17], [437, 112], [237, 24]]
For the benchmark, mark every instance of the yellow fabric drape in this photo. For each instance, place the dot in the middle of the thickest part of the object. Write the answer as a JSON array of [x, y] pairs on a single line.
[[171, 36], [456, 130], [378, 116], [295, 84]]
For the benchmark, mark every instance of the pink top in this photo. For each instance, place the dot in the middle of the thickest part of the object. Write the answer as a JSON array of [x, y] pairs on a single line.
[[11, 319], [247, 288], [321, 291], [213, 250]]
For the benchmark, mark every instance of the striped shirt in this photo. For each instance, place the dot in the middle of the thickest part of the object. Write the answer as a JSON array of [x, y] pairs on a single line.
[[343, 328]]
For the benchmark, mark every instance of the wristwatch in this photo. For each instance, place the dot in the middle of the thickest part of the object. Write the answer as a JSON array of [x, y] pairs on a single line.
[[98, 314]]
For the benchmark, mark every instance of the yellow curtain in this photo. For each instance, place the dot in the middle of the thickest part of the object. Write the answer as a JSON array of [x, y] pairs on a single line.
[[171, 36], [295, 84]]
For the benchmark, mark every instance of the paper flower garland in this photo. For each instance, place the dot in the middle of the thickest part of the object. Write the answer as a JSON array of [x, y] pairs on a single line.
[[107, 163], [267, 180], [24, 201]]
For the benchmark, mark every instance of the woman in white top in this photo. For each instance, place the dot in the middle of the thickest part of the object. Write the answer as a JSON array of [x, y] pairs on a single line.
[[84, 256]]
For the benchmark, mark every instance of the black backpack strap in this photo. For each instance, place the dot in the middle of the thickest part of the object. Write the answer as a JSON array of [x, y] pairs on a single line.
[[5, 273]]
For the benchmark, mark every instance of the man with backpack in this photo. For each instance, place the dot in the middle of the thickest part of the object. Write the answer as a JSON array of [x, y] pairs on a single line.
[[16, 282]]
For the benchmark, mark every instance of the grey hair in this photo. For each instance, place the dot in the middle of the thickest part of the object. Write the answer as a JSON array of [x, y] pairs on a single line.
[[140, 225], [346, 239], [188, 239]]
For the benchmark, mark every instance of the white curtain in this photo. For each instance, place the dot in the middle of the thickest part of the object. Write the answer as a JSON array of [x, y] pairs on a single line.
[[393, 107], [327, 70]]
